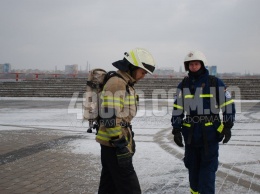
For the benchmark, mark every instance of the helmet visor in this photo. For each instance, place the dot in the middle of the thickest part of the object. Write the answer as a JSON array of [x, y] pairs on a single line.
[[149, 67]]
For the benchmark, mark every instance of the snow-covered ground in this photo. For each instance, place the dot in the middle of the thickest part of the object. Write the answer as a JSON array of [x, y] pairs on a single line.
[[158, 160]]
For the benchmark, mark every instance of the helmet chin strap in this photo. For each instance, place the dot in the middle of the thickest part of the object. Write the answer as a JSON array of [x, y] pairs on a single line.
[[132, 71]]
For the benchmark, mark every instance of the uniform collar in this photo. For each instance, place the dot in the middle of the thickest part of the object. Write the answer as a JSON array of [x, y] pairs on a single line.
[[199, 75], [128, 78]]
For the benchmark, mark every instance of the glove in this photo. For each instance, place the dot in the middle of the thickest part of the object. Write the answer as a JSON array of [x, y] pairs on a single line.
[[226, 132], [177, 137], [124, 157]]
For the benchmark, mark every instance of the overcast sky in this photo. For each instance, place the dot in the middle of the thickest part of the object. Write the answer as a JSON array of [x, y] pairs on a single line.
[[42, 34]]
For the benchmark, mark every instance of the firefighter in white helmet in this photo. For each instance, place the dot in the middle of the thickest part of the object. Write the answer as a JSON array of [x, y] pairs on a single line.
[[115, 133], [196, 117]]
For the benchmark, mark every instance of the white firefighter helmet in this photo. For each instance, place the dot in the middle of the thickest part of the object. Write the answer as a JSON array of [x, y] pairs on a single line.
[[195, 56], [142, 58]]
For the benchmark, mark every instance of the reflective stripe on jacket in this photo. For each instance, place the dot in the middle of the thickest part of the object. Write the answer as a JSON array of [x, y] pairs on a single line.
[[198, 100], [117, 95]]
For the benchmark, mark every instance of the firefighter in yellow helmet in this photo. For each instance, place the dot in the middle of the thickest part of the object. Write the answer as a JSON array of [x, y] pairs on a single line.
[[115, 133]]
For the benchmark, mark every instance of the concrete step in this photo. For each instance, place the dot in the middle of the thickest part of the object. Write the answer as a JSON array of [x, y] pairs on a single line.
[[249, 88]]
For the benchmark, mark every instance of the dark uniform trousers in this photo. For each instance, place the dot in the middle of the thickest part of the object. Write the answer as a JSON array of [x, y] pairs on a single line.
[[202, 165], [115, 179]]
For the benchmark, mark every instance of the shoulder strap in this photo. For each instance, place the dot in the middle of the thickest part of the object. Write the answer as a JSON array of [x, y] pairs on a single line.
[[185, 82], [213, 82], [111, 74]]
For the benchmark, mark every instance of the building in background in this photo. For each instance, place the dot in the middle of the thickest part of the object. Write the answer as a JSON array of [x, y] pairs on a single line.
[[212, 70], [71, 69], [5, 68]]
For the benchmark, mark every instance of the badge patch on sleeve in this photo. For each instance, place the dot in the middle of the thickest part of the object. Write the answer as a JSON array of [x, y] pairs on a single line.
[[227, 94]]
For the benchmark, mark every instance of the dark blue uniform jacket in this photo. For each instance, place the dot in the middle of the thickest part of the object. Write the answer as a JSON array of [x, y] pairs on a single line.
[[197, 107]]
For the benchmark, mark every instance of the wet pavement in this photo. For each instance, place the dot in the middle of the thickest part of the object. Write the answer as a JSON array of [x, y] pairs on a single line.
[[36, 156], [36, 161]]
